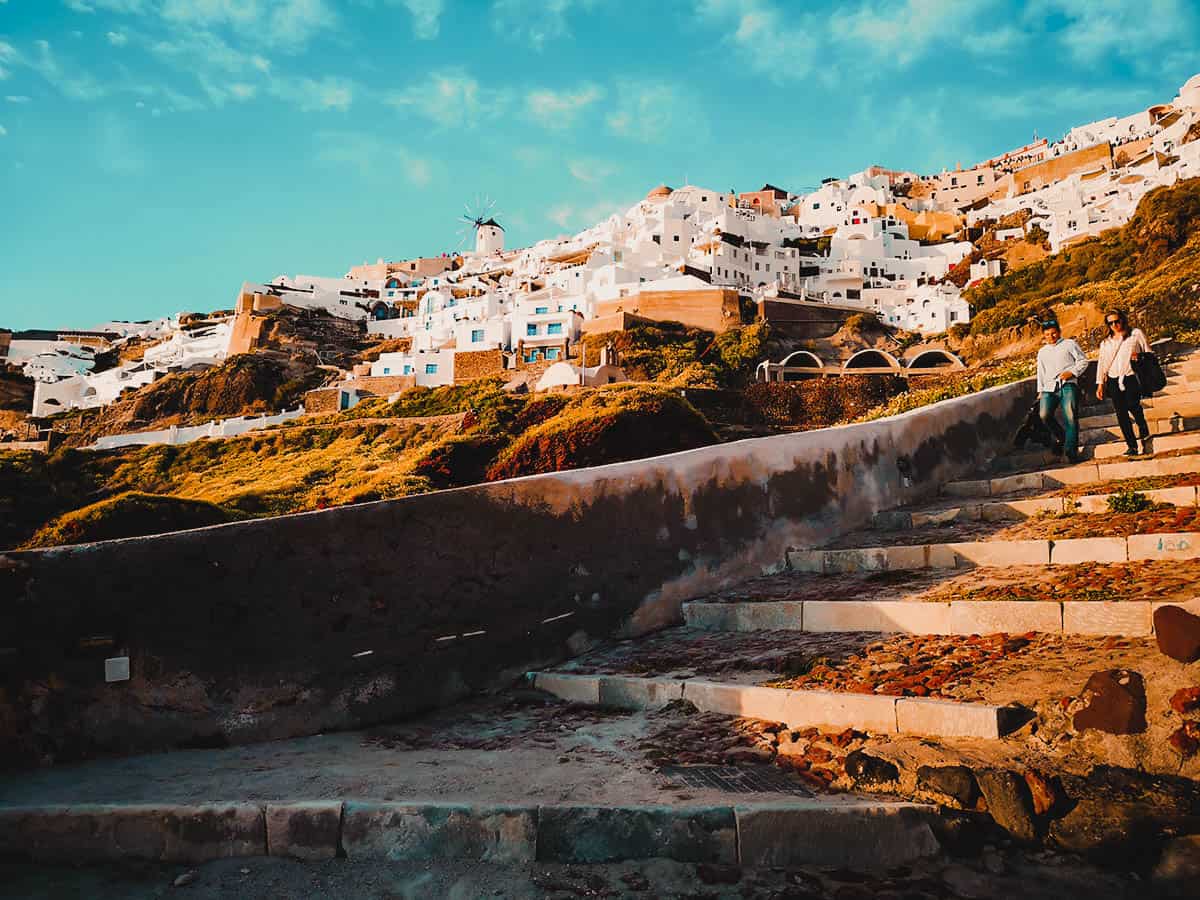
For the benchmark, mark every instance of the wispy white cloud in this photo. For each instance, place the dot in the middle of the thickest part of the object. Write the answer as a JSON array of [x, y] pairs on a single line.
[[860, 40], [18, 98], [559, 109], [1081, 103], [561, 215], [314, 94], [1139, 33], [590, 170], [8, 58], [3, 131], [451, 98], [373, 157], [535, 22], [651, 111], [116, 6], [282, 24], [118, 149], [69, 79], [427, 16], [117, 38]]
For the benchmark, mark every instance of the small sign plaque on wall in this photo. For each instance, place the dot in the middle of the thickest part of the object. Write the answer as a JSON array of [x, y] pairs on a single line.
[[116, 669]]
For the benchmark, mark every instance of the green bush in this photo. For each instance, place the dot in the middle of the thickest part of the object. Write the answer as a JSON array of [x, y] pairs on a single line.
[[1129, 502]]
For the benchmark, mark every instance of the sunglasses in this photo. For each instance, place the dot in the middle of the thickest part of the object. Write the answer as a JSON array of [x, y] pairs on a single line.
[[1112, 321]]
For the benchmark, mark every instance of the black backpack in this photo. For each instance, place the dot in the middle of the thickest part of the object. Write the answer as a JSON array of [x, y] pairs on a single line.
[[1149, 372]]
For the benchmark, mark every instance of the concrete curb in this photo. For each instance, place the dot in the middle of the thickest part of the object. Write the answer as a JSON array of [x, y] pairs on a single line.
[[798, 709], [166, 833], [821, 833], [801, 835], [972, 554], [959, 617]]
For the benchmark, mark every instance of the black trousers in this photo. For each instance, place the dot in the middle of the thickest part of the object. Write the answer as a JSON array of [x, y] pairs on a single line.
[[1127, 404]]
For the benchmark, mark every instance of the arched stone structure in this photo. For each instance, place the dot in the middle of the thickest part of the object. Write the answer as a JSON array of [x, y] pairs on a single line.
[[936, 358], [871, 359]]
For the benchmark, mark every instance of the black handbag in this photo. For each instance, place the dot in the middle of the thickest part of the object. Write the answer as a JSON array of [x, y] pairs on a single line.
[[1149, 372]]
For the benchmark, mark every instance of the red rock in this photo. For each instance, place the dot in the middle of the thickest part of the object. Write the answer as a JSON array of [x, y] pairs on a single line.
[[1177, 632], [843, 739], [1045, 790], [819, 754], [1185, 740], [1186, 700], [748, 755], [1115, 702]]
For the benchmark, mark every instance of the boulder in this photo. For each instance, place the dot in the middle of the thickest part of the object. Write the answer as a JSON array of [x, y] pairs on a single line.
[[1115, 703], [1120, 816], [1178, 633], [1185, 740], [870, 771], [1179, 865], [1186, 700], [1009, 802], [956, 782], [1046, 791]]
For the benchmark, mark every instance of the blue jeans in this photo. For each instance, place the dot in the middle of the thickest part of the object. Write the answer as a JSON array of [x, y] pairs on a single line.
[[1067, 396]]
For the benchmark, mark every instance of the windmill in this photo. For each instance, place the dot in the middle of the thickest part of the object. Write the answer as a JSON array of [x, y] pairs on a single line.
[[478, 222]]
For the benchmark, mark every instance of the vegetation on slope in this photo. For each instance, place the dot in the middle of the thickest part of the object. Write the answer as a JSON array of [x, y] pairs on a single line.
[[249, 383], [1150, 267], [675, 354], [930, 389], [363, 455], [129, 514], [614, 423]]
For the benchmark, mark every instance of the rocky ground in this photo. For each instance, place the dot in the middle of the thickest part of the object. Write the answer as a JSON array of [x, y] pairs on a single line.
[[992, 871]]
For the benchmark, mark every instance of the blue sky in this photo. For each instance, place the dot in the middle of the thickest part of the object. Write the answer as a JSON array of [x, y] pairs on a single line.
[[155, 153]]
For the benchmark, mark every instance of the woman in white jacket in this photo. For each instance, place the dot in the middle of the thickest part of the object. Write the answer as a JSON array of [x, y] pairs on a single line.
[[1115, 378]]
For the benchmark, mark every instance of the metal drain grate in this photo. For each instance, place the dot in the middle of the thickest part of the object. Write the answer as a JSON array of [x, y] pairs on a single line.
[[735, 780]]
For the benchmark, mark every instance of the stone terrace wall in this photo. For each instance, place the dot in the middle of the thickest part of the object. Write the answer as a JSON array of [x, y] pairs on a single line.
[[341, 618]]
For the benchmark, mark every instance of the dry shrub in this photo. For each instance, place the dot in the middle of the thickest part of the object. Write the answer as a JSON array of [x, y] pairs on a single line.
[[611, 424], [821, 402]]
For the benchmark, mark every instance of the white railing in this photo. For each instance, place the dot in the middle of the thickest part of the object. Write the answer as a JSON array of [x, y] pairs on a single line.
[[226, 428]]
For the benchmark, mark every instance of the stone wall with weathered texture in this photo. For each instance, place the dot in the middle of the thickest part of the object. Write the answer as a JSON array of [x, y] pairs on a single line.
[[340, 618], [472, 364]]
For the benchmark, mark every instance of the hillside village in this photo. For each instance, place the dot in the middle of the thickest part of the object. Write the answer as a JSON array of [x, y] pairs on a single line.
[[904, 246], [804, 601]]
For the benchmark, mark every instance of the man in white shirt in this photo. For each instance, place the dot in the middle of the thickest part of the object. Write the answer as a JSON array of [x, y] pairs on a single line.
[[1060, 363]]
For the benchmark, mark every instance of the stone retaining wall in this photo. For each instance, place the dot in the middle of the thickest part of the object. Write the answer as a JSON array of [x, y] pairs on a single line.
[[336, 619]]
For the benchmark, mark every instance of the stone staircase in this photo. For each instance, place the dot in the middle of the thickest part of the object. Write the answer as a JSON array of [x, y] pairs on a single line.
[[1026, 558], [1007, 661]]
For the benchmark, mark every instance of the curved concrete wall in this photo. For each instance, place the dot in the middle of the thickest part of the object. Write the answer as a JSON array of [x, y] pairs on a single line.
[[333, 619]]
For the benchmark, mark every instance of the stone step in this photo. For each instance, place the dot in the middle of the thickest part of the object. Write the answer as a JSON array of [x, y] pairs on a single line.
[[1110, 431], [844, 832], [1185, 403], [1015, 510], [1065, 476], [874, 713], [1161, 421], [959, 617], [972, 554], [1188, 440]]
